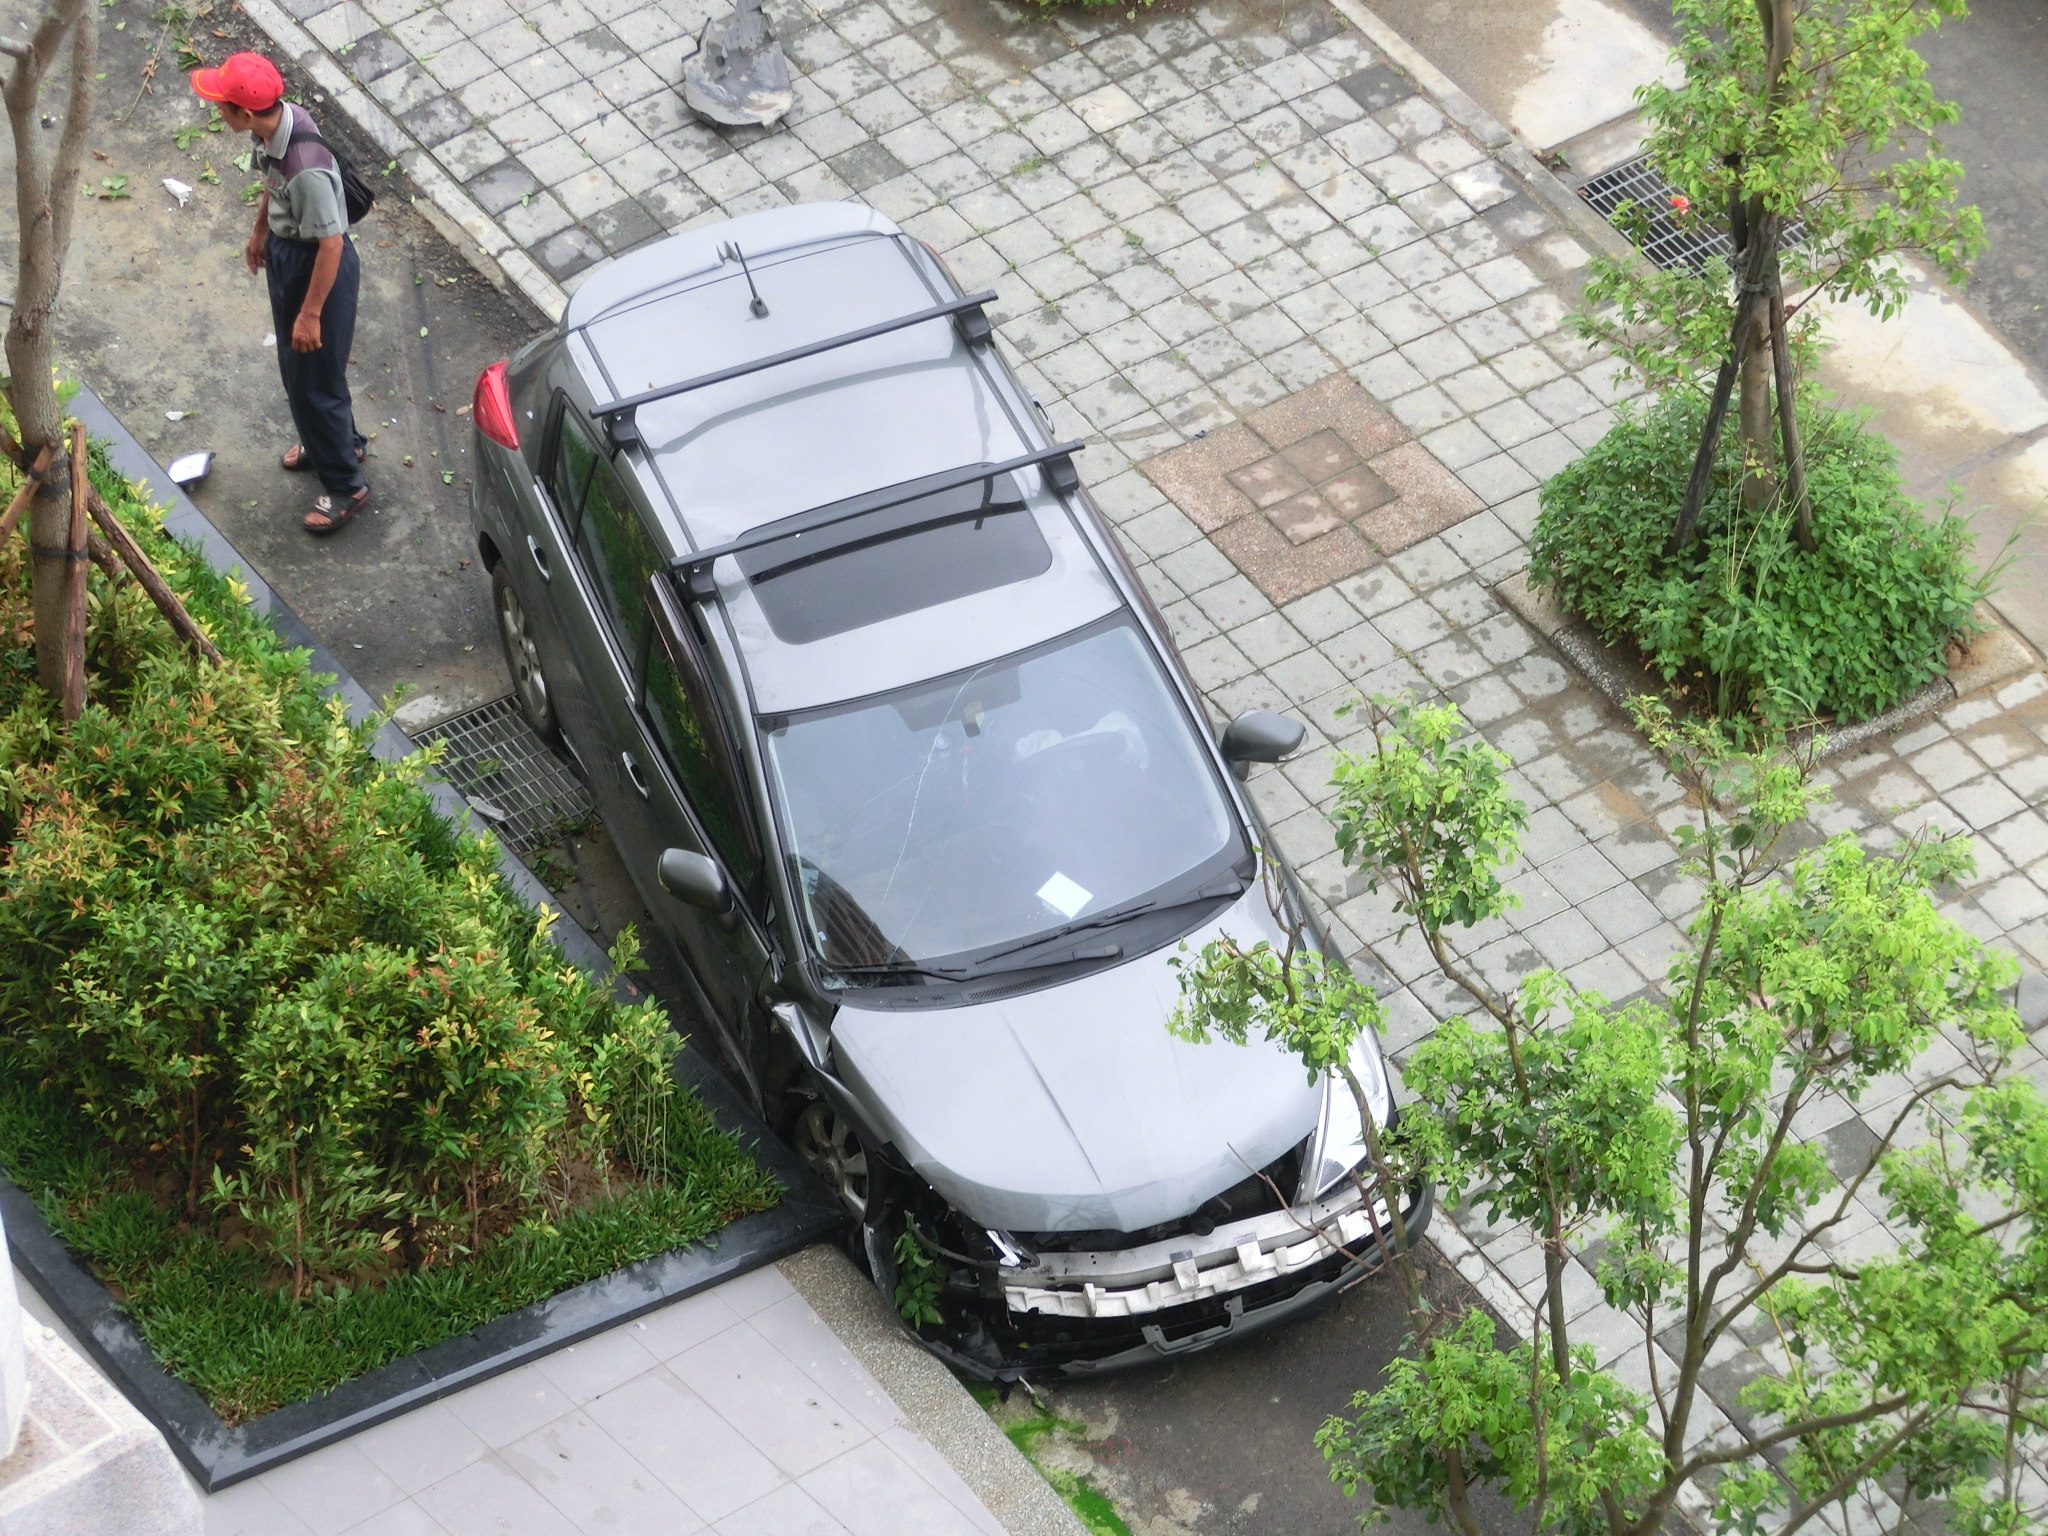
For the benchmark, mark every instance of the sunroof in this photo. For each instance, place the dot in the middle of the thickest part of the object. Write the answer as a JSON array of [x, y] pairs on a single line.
[[913, 555]]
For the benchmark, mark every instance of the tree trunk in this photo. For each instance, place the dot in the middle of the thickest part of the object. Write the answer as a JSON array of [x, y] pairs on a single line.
[[45, 192]]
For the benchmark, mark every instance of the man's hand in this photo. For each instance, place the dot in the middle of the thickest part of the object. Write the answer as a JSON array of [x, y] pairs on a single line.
[[253, 252], [306, 333]]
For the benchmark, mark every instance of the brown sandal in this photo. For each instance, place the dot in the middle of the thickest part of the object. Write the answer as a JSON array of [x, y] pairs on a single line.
[[297, 460], [331, 513]]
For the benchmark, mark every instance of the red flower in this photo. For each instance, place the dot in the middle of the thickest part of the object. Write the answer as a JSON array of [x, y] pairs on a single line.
[[1681, 203]]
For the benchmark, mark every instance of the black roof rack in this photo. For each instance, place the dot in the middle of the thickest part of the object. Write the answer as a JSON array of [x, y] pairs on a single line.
[[621, 430], [1058, 468]]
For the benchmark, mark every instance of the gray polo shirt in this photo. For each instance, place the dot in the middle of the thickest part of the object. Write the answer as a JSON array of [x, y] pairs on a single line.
[[306, 201]]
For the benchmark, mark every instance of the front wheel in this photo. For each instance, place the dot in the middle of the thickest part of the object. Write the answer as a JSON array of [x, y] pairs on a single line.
[[522, 658], [833, 1152]]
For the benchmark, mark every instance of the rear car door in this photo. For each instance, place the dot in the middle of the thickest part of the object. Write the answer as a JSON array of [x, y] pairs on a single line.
[[555, 597], [661, 784]]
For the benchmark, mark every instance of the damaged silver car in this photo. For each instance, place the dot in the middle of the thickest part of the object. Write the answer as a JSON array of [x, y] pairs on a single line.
[[902, 757]]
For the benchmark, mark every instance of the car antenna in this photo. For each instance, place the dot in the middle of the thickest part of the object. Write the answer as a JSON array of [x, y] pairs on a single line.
[[731, 250]]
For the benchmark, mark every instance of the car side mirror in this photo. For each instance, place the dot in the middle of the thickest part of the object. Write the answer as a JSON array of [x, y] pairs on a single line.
[[695, 881], [1260, 736]]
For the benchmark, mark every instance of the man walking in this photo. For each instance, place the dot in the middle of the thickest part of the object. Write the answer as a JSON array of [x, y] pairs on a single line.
[[301, 240]]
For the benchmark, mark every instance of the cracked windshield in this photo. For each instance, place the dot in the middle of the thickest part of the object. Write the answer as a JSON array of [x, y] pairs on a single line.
[[995, 804]]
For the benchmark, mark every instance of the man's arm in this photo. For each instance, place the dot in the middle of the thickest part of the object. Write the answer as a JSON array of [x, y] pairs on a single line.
[[306, 329], [253, 252]]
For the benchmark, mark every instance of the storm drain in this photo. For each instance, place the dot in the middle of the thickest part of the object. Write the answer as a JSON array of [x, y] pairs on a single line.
[[1666, 240], [513, 782]]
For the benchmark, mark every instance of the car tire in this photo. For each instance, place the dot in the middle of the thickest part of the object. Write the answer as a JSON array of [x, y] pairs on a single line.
[[522, 658], [832, 1150]]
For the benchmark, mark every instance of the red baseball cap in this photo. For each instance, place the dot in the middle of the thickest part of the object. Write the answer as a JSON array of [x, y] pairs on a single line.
[[246, 80]]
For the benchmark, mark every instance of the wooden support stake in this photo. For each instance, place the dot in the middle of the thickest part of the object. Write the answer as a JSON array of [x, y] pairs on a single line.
[[27, 491], [74, 583], [103, 556], [153, 583]]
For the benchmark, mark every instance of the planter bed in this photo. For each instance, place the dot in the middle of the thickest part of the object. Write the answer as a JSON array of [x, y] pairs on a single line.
[[464, 1344], [1994, 657]]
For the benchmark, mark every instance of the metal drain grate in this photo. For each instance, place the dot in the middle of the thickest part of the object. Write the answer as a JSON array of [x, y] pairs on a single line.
[[513, 781], [1666, 241]]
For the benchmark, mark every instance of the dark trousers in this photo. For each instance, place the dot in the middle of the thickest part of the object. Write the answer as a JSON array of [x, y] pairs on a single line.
[[316, 382]]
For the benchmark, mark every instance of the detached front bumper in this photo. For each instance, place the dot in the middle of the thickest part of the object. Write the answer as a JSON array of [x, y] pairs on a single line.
[[1084, 1313]]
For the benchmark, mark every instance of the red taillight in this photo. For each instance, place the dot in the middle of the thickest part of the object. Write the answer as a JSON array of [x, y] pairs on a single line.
[[492, 407]]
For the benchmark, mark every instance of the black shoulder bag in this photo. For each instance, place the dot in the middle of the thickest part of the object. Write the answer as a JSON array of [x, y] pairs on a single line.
[[357, 198]]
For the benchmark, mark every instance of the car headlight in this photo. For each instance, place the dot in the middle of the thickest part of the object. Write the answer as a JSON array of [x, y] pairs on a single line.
[[1338, 1145]]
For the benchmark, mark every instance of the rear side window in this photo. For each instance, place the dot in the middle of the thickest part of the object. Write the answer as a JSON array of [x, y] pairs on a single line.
[[684, 719], [613, 543]]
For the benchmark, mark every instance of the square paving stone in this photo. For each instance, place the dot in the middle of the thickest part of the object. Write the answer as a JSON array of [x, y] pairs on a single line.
[[623, 226], [1268, 482], [1377, 88], [437, 121], [866, 165], [1356, 492], [569, 252], [502, 186], [1305, 516], [1321, 456]]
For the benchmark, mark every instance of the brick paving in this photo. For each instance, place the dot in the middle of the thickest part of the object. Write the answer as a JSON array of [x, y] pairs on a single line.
[[1313, 334]]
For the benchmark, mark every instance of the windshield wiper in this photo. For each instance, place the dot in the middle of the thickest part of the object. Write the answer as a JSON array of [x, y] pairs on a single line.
[[896, 968], [1233, 888]]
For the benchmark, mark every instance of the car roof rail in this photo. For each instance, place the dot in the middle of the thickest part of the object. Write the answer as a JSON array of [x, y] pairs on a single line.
[[968, 317], [1056, 462]]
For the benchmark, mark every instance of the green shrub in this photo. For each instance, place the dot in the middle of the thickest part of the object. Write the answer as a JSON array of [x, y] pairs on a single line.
[[1744, 620], [264, 1015]]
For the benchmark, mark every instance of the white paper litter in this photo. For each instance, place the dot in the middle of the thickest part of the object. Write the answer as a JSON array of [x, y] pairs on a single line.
[[178, 189], [192, 467], [174, 415], [1064, 896], [270, 340]]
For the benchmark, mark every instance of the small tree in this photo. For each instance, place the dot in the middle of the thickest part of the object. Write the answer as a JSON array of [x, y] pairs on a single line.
[[1808, 113], [45, 192], [1894, 1370]]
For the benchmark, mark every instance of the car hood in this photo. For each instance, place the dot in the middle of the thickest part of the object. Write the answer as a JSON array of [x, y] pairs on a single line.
[[1071, 1107]]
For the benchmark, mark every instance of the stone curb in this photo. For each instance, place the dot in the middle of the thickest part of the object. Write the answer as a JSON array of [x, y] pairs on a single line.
[[219, 1456], [931, 1397], [1996, 657], [480, 233]]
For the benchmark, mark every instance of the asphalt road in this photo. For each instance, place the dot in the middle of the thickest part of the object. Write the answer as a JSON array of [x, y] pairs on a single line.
[[1995, 67]]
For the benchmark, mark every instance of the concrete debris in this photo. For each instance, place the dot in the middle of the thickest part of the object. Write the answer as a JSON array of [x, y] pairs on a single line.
[[738, 75]]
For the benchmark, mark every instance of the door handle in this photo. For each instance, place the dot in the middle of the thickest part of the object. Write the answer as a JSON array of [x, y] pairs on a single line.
[[540, 558], [633, 772]]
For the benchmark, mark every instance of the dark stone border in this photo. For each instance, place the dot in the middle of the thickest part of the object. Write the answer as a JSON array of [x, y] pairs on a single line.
[[219, 1456], [2003, 657]]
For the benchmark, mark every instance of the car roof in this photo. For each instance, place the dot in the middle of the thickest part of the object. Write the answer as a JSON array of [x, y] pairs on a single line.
[[753, 450]]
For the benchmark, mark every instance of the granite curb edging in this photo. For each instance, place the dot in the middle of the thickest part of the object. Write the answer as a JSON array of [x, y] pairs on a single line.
[[219, 1456], [1622, 679]]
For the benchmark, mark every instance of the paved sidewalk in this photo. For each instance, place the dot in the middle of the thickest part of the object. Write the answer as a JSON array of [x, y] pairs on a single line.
[[1312, 331], [737, 1411]]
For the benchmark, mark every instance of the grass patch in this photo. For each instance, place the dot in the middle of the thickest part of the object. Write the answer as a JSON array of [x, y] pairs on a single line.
[[1029, 1434], [281, 1057]]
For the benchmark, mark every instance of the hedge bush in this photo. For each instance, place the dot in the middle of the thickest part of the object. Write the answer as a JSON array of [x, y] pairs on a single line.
[[1744, 621], [265, 1014]]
